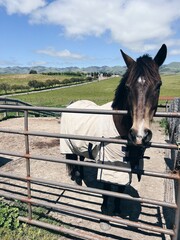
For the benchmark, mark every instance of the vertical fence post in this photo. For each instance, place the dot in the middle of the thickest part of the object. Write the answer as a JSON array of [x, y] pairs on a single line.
[[177, 215], [27, 163], [175, 138], [5, 112], [17, 113]]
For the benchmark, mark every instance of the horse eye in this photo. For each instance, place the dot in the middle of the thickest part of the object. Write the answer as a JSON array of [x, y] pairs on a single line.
[[158, 85], [127, 88]]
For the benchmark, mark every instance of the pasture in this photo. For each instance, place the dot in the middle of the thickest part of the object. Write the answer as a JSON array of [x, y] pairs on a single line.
[[170, 85], [23, 79], [100, 92]]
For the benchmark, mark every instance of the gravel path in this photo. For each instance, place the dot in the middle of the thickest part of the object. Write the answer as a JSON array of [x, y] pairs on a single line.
[[153, 188]]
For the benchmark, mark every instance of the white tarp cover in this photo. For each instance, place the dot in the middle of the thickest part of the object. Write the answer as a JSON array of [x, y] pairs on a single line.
[[96, 125]]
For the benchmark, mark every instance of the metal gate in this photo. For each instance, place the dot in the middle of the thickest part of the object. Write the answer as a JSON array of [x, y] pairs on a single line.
[[29, 179]]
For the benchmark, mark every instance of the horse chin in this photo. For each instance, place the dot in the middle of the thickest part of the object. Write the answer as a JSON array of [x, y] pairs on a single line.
[[139, 141]]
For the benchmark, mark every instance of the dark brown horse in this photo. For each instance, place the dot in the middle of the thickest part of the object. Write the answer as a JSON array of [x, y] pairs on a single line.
[[138, 93]]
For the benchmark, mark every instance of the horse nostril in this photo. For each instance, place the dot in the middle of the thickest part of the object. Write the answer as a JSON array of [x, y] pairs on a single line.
[[147, 136], [132, 135]]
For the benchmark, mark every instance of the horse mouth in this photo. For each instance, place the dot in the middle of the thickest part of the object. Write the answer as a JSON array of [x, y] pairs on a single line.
[[139, 140]]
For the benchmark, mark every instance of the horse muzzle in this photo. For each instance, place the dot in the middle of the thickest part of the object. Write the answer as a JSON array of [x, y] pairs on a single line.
[[139, 139]]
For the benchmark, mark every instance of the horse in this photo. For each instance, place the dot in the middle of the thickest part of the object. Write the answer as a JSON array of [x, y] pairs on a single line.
[[138, 93]]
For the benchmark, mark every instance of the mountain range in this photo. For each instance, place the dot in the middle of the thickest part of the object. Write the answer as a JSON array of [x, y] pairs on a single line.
[[171, 68]]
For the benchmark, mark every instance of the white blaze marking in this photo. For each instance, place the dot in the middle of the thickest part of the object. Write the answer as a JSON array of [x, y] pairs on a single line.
[[141, 129], [141, 80]]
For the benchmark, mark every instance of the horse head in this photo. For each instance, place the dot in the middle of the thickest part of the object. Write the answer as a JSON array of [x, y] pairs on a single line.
[[138, 93]]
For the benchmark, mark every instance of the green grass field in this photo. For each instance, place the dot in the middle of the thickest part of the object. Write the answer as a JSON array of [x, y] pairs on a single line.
[[171, 85], [23, 79], [99, 92]]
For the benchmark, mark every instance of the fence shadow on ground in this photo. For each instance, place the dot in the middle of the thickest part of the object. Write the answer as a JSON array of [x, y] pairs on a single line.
[[4, 161]]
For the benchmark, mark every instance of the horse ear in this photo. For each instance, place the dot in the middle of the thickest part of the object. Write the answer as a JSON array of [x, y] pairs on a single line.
[[128, 60], [161, 55]]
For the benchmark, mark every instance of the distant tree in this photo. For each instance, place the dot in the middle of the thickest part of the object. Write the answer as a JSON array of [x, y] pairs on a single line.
[[40, 85], [66, 81], [33, 84], [89, 79], [56, 82], [49, 83], [5, 87], [94, 75], [17, 87], [32, 71]]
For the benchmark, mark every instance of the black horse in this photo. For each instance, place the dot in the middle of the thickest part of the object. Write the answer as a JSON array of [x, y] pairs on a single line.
[[138, 93]]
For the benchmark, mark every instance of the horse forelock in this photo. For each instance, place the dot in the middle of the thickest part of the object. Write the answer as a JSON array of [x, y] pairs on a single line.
[[144, 67]]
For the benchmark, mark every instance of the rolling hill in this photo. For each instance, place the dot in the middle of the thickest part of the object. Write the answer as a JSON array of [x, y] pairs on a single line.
[[171, 68]]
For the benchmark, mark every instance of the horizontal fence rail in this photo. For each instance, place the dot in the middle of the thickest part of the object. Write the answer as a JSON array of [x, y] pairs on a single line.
[[171, 175], [16, 102], [78, 110], [90, 214], [31, 180], [86, 138], [91, 190]]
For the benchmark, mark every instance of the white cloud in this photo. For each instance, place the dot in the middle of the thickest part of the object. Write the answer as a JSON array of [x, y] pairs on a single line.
[[174, 52], [38, 63], [131, 23], [65, 54], [22, 6], [136, 24], [174, 47]]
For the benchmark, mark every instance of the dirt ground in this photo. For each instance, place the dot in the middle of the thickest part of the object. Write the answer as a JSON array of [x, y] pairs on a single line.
[[148, 187]]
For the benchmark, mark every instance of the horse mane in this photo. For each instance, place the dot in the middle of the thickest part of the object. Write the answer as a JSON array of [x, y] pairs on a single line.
[[120, 94], [144, 66]]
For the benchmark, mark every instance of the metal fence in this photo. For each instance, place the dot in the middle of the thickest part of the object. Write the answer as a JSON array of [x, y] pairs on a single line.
[[174, 175], [18, 112]]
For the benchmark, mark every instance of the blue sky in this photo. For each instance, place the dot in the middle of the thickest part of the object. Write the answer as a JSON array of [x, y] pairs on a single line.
[[61, 33]]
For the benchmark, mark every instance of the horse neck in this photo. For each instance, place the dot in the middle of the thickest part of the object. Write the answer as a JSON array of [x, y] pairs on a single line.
[[122, 123]]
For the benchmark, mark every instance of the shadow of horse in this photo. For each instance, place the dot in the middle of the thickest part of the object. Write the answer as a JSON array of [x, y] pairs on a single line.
[[128, 209]]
